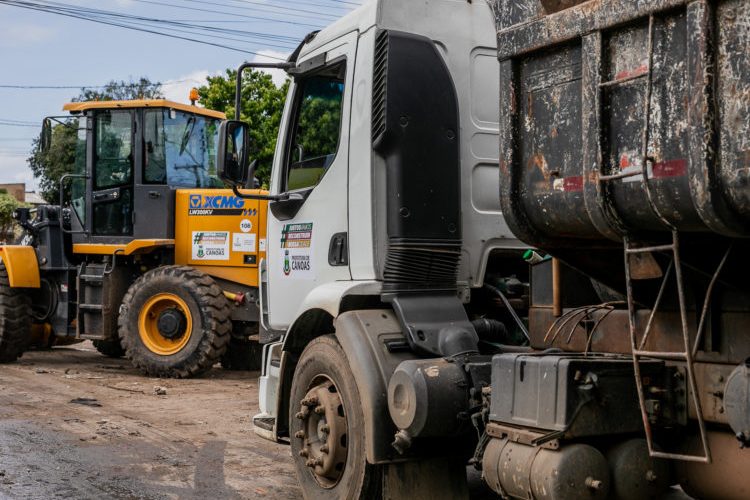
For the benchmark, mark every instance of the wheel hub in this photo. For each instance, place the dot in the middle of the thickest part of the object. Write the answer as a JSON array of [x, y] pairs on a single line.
[[324, 432], [171, 323]]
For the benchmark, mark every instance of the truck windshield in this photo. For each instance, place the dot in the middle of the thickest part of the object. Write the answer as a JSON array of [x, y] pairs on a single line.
[[180, 149]]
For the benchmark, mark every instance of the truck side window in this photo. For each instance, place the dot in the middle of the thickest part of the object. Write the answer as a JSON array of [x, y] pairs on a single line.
[[314, 139]]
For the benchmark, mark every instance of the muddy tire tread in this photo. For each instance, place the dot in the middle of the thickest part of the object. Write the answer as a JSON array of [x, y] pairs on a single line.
[[15, 319], [213, 305]]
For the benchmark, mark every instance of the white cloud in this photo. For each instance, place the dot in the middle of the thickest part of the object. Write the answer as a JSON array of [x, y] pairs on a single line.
[[278, 75], [20, 35], [13, 168], [178, 90]]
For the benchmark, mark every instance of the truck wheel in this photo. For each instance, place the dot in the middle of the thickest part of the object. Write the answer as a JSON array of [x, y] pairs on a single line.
[[110, 348], [326, 424], [174, 322], [15, 319], [242, 355]]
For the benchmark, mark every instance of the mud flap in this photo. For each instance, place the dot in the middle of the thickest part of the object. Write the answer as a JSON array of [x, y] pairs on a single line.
[[436, 479]]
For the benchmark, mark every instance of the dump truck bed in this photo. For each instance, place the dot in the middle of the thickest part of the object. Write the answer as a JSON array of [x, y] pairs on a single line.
[[594, 95]]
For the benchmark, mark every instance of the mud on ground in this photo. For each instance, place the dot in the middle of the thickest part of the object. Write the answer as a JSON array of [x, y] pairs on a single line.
[[194, 441]]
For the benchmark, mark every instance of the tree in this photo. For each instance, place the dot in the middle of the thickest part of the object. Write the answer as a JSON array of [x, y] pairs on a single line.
[[7, 205], [262, 104], [122, 91], [48, 167]]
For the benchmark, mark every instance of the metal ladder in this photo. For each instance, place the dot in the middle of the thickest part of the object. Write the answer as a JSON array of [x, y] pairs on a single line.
[[675, 265], [686, 355]]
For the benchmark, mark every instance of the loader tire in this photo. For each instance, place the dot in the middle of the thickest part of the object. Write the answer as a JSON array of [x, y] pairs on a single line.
[[326, 427], [174, 322], [15, 319], [243, 353], [110, 348]]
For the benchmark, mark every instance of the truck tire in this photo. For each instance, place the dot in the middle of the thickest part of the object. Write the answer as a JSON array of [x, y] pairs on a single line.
[[110, 348], [15, 319], [174, 322], [326, 424]]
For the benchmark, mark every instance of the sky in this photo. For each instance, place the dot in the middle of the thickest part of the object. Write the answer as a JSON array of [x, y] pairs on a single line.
[[44, 49]]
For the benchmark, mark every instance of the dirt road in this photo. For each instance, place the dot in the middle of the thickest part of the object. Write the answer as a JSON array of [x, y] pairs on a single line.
[[195, 441]]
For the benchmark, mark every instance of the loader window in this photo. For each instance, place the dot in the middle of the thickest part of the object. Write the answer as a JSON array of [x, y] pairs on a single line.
[[78, 184], [112, 199], [315, 136], [180, 149]]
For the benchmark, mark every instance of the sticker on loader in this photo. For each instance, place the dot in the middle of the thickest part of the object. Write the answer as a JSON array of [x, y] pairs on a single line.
[[210, 245]]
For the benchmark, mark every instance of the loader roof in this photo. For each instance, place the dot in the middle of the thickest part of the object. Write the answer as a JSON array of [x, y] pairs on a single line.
[[76, 107]]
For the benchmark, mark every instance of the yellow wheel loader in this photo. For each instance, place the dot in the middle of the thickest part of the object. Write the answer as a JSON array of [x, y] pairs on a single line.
[[146, 253]]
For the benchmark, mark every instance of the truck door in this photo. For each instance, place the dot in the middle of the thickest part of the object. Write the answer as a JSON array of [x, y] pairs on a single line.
[[306, 242], [112, 179]]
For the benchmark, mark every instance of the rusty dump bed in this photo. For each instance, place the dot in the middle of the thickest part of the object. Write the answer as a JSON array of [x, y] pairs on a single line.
[[591, 91]]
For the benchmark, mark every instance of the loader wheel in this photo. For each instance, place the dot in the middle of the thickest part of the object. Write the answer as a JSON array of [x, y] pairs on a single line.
[[243, 353], [326, 425], [110, 348], [15, 319], [174, 322]]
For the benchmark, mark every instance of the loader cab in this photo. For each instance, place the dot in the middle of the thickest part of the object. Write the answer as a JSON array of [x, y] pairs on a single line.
[[130, 157]]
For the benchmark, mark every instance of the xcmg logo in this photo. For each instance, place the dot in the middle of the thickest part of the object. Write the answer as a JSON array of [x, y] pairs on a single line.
[[201, 204], [214, 201]]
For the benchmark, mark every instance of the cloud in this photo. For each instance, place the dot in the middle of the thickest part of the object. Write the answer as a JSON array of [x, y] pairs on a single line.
[[178, 90], [13, 168], [278, 75], [21, 35]]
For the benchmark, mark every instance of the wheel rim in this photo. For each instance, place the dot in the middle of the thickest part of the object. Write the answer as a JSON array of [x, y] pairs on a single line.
[[164, 306], [324, 433]]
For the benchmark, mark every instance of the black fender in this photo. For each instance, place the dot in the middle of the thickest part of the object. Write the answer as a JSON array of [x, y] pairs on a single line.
[[375, 345]]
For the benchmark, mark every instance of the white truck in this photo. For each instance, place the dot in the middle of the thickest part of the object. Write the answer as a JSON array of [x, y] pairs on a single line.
[[405, 335]]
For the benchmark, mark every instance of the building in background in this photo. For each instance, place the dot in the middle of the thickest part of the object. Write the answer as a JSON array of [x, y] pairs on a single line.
[[16, 190]]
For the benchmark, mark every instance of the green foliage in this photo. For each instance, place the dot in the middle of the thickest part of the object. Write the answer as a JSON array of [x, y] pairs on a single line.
[[49, 166], [262, 104], [7, 205], [122, 91]]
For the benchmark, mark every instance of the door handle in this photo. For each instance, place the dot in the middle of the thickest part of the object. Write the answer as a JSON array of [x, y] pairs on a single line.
[[154, 195]]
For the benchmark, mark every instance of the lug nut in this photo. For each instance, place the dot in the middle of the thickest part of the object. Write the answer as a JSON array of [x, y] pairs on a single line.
[[325, 428], [310, 462], [299, 415], [324, 448], [594, 484], [311, 401], [320, 410], [318, 461], [300, 434], [303, 453]]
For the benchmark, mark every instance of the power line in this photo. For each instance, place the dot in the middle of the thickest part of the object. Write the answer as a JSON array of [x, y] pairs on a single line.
[[52, 10], [116, 85], [214, 11], [284, 10], [174, 26]]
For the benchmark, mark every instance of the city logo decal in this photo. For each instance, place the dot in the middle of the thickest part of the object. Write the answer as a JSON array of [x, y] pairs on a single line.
[[296, 251]]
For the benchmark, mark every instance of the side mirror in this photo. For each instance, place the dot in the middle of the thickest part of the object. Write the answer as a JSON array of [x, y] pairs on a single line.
[[45, 139], [232, 153]]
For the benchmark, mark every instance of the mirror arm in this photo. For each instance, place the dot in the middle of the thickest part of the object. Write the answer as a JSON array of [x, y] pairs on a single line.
[[269, 197], [238, 84]]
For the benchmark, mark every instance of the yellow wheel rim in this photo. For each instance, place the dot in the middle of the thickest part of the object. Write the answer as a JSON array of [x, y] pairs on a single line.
[[148, 327]]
